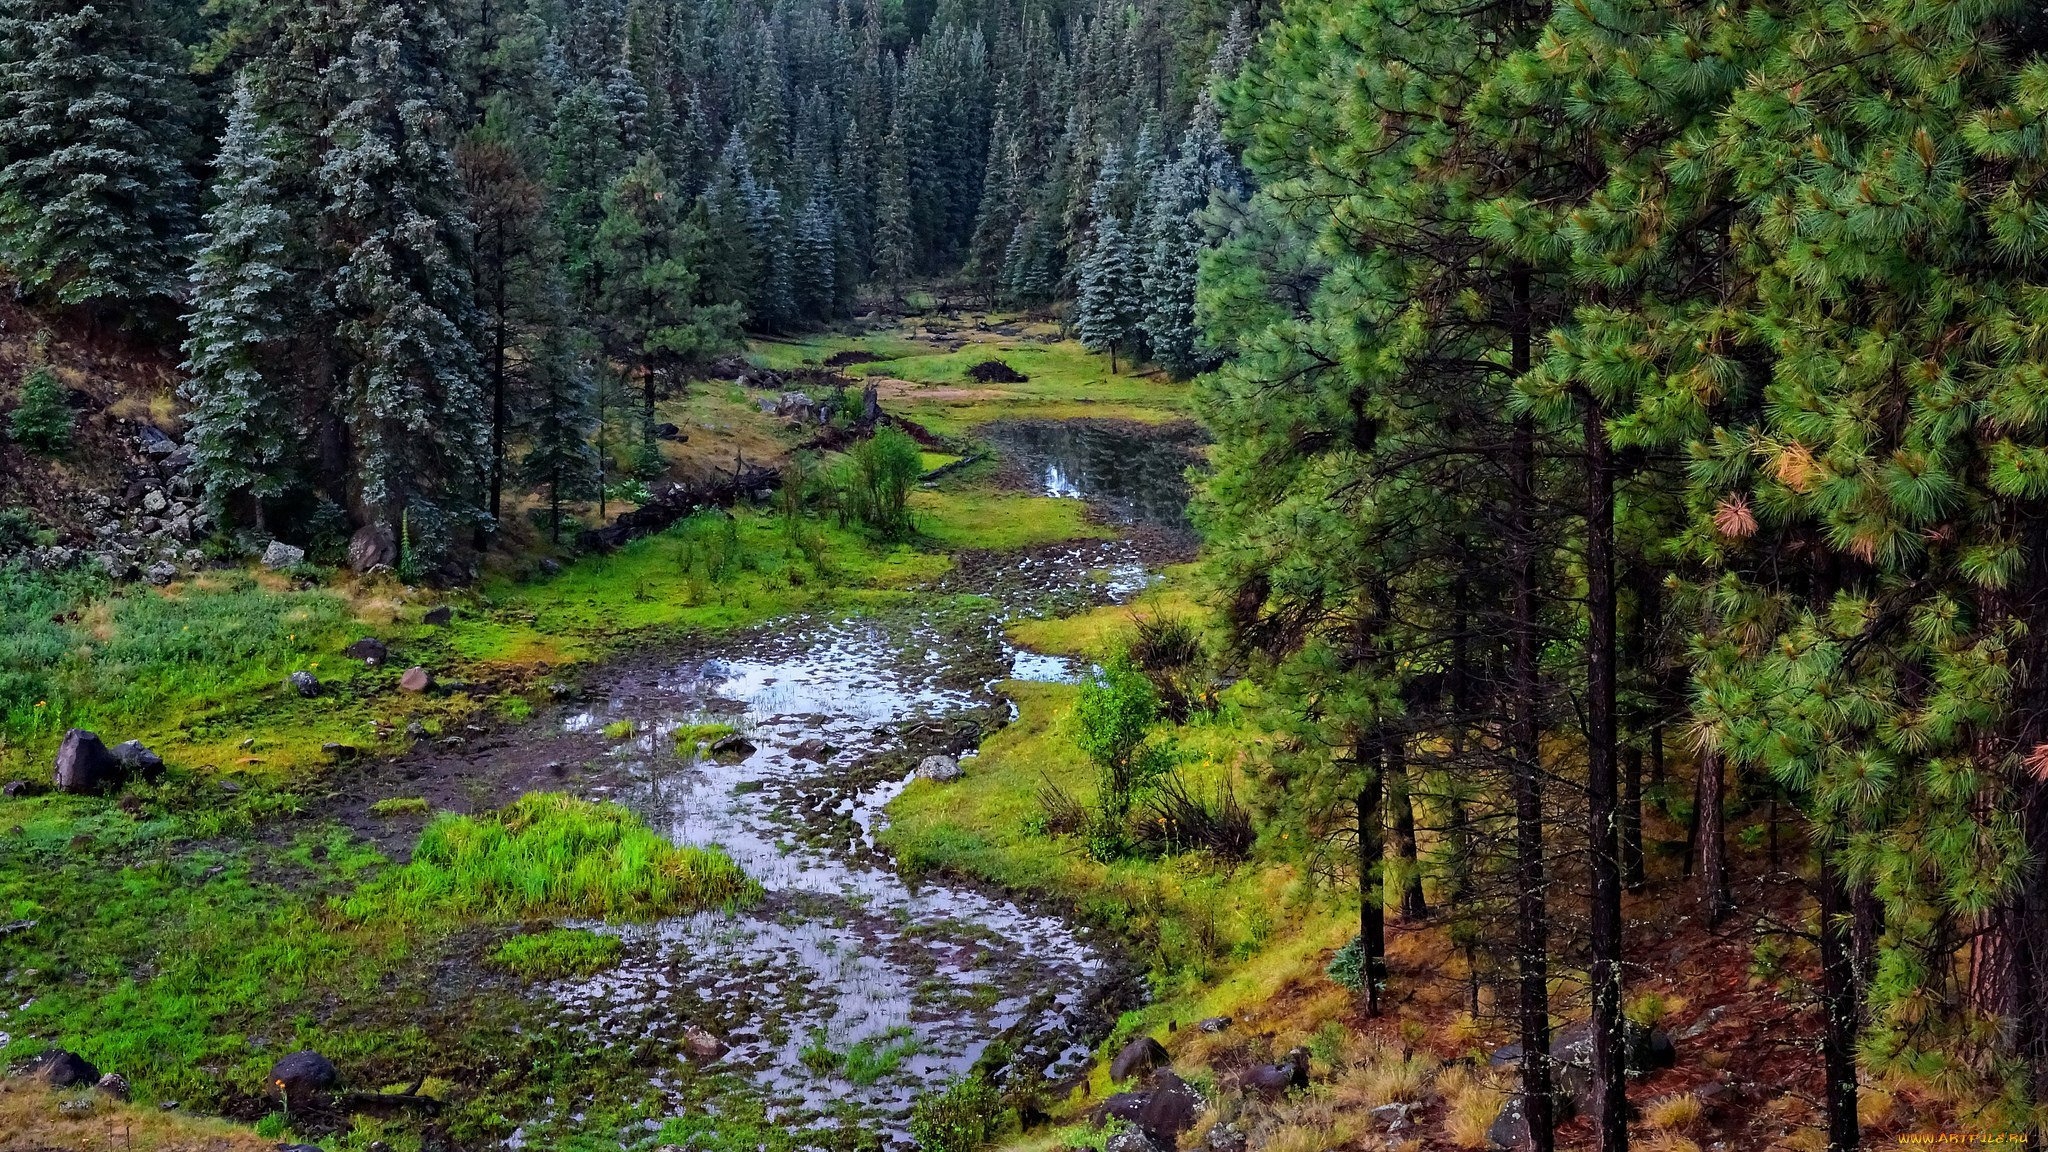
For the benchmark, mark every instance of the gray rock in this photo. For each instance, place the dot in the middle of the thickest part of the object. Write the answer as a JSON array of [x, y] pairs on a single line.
[[1137, 1058], [135, 760], [700, 1043], [813, 749], [1227, 1138], [439, 617], [155, 503], [416, 679], [179, 460], [1130, 1140], [1214, 1024], [369, 650], [84, 766], [62, 1069], [372, 547], [113, 1084], [939, 769], [302, 1076], [735, 746], [304, 683], [118, 567], [1269, 1081], [151, 440], [282, 555], [160, 573], [180, 526], [15, 789]]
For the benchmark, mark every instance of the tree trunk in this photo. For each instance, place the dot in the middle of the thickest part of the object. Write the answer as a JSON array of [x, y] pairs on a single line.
[[1632, 818], [1413, 906], [1838, 1003], [1532, 919], [1610, 1112], [1712, 846], [1372, 887]]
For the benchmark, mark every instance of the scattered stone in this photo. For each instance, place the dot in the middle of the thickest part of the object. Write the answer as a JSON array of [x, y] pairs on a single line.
[[416, 679], [1227, 1138], [16, 789], [549, 566], [341, 753], [939, 769], [113, 1084], [1137, 1058], [369, 650], [160, 573], [62, 1069], [813, 749], [1215, 1024], [304, 683], [281, 555], [152, 440], [84, 766], [1270, 1081], [666, 431], [135, 760], [439, 617], [155, 503], [117, 567], [1130, 1140], [1395, 1115], [700, 1043], [414, 730], [302, 1075], [371, 547], [167, 1106], [735, 745]]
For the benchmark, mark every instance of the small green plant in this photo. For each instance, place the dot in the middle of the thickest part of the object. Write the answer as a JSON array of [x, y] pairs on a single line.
[[272, 1126], [874, 1057], [818, 1055], [42, 422], [18, 531], [557, 954], [962, 1117], [874, 483], [618, 729], [551, 855], [689, 736], [1347, 967], [1117, 709], [401, 806]]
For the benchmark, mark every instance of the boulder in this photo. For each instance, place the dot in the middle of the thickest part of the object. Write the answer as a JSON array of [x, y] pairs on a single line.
[[939, 769], [1171, 1110], [135, 760], [666, 431], [372, 547], [736, 746], [813, 749], [701, 1044], [113, 1084], [15, 789], [84, 766], [304, 683], [155, 503], [302, 1076], [152, 440], [1132, 1140], [281, 555], [416, 679], [1227, 1138], [160, 573], [1510, 1129], [1270, 1081], [439, 617], [369, 650], [62, 1069], [1137, 1058], [1214, 1024]]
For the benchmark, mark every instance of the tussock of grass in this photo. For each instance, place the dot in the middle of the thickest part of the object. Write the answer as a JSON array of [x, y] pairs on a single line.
[[1680, 1113], [1471, 1101], [557, 954], [401, 806], [39, 1118], [551, 855]]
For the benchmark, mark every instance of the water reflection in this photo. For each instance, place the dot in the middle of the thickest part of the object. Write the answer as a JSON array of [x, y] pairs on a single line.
[[1137, 478]]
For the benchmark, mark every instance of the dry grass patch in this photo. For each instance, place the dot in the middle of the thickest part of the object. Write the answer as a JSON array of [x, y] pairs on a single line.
[[33, 1117], [1680, 1113], [1471, 1101], [1666, 1142]]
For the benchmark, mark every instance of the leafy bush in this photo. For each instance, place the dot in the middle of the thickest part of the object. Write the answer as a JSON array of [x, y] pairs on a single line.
[[19, 532], [1347, 967], [557, 954], [551, 855], [43, 420], [967, 1114], [1117, 709], [874, 480]]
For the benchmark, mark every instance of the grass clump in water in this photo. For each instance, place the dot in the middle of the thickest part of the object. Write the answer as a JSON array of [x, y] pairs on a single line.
[[556, 954], [551, 855]]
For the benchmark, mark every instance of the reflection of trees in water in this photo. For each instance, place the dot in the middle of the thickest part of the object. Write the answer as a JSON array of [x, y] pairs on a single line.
[[1139, 479]]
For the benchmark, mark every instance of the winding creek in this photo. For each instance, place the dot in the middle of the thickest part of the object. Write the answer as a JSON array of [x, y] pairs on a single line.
[[845, 951]]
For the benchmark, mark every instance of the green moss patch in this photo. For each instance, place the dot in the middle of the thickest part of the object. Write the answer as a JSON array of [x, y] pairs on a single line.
[[557, 954]]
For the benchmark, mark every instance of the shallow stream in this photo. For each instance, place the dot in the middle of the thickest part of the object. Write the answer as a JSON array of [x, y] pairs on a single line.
[[846, 955]]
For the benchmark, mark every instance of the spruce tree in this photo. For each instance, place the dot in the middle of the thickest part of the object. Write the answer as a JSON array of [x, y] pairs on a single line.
[[41, 421], [95, 202], [560, 419], [243, 426], [413, 400]]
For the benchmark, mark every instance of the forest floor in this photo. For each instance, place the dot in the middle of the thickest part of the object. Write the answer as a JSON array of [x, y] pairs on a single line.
[[188, 934]]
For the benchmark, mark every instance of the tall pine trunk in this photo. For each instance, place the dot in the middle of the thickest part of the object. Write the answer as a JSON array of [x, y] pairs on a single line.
[[1532, 918], [1838, 1005], [1372, 851], [1610, 1085], [1399, 797]]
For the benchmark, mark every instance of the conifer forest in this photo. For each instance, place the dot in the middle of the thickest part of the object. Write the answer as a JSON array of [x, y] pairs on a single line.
[[1028, 575]]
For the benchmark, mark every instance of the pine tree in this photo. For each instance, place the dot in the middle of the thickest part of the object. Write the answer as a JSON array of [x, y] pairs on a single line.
[[893, 236], [1109, 308], [560, 418], [42, 421], [242, 425], [95, 201], [413, 401]]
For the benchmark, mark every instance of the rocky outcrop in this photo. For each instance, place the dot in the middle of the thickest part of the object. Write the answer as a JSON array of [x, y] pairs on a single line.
[[372, 546], [280, 556], [85, 766], [149, 528], [62, 1069]]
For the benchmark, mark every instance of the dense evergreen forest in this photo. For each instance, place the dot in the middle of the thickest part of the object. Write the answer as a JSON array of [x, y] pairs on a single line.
[[1620, 411], [429, 230]]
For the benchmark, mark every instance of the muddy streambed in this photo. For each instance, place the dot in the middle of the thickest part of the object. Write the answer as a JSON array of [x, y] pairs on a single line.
[[916, 979]]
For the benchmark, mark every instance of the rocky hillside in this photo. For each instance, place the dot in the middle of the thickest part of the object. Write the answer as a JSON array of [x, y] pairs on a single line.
[[117, 497]]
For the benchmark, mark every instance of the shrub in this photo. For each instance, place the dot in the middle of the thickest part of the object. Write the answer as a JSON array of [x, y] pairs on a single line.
[[1178, 820], [1347, 967], [551, 855], [996, 372], [874, 482], [43, 421], [967, 1114], [1171, 652], [558, 954], [18, 531]]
